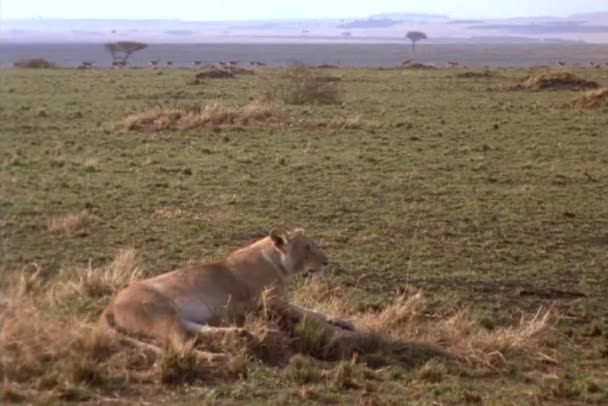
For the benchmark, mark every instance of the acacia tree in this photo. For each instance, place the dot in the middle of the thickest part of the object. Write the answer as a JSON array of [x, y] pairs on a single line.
[[122, 50], [415, 36]]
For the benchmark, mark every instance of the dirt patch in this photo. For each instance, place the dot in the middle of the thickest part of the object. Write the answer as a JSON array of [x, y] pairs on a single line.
[[592, 99], [554, 80]]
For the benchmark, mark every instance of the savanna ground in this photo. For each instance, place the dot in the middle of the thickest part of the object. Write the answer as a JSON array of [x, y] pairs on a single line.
[[491, 202]]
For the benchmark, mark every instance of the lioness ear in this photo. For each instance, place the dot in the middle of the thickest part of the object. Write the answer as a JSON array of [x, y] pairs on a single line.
[[278, 236]]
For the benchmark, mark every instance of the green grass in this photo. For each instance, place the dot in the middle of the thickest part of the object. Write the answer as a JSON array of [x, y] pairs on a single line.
[[488, 199]]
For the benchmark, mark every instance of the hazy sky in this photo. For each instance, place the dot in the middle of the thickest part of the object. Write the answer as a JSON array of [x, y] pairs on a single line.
[[272, 9]]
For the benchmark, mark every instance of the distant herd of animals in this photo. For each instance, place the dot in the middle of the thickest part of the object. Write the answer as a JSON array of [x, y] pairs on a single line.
[[157, 63]]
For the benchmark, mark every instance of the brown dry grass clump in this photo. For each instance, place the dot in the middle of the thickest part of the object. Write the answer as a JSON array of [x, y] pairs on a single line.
[[215, 73], [407, 320], [50, 344], [35, 63], [592, 99], [459, 334], [70, 223], [257, 114], [418, 66], [227, 72], [554, 80]]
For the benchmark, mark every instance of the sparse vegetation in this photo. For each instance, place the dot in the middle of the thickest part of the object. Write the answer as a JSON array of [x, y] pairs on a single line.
[[50, 341], [490, 203]]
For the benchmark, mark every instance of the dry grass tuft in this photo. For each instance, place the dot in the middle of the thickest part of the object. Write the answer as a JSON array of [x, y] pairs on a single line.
[[88, 164], [592, 99], [70, 223], [257, 114], [459, 335], [103, 281], [50, 342], [50, 352], [554, 80]]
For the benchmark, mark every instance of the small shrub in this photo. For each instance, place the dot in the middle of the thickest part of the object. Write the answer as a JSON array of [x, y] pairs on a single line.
[[303, 86]]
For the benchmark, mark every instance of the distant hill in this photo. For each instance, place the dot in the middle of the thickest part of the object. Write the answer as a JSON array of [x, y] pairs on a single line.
[[599, 14], [371, 23], [554, 27], [410, 16]]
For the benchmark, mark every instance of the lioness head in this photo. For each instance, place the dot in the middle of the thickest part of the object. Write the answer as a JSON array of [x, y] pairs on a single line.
[[298, 253]]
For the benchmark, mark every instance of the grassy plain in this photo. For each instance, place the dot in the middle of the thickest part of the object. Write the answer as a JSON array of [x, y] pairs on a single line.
[[486, 199]]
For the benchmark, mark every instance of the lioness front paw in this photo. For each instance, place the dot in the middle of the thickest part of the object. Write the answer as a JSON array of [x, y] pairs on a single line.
[[343, 324]]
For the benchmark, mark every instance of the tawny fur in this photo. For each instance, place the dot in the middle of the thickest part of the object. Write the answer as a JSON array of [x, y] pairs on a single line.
[[174, 307]]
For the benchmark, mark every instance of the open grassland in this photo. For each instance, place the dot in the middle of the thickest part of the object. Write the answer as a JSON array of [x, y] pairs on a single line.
[[491, 201]]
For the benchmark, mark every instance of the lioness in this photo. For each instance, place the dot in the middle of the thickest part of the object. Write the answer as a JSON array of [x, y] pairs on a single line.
[[176, 306]]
